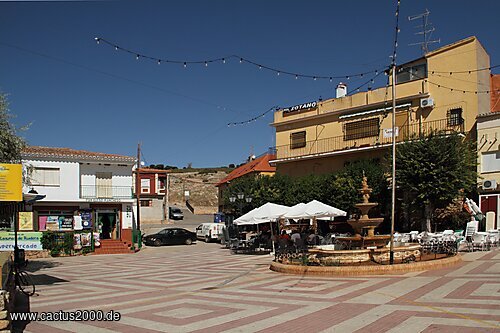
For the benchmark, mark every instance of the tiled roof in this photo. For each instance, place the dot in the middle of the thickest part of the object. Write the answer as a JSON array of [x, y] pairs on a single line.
[[150, 170], [495, 93], [55, 152], [260, 164]]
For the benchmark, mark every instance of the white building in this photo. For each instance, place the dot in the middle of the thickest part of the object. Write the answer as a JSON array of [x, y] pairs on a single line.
[[84, 190]]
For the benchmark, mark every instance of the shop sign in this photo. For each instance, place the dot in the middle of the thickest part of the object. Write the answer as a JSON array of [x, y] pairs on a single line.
[[103, 200], [11, 182], [65, 223], [300, 107], [29, 241], [388, 132], [52, 223], [25, 220], [86, 219], [127, 217]]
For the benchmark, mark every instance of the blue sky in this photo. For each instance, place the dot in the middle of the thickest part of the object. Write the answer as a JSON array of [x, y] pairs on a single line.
[[81, 95]]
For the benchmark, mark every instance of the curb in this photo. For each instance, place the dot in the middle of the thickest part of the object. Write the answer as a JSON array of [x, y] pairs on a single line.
[[366, 270]]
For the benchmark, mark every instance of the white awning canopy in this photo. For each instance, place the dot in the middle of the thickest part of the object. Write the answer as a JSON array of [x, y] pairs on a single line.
[[263, 214], [313, 209]]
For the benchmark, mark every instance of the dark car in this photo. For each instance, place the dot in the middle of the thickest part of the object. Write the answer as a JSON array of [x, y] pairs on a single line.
[[171, 236]]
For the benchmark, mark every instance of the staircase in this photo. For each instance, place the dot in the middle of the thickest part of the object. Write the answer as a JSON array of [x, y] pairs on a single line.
[[113, 246]]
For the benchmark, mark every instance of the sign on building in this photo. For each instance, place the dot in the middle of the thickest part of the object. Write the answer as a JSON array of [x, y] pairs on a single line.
[[388, 132], [29, 241], [11, 182]]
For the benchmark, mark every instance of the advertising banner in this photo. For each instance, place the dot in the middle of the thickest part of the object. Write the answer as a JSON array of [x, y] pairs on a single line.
[[86, 219], [25, 221], [52, 223], [29, 241], [11, 182]]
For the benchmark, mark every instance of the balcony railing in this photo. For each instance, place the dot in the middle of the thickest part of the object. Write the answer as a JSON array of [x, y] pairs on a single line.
[[105, 192], [339, 143]]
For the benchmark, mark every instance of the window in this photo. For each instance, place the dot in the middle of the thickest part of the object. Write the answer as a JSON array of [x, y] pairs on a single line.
[[45, 176], [411, 73], [455, 117], [361, 129], [145, 185], [298, 139], [146, 203], [161, 184], [490, 162]]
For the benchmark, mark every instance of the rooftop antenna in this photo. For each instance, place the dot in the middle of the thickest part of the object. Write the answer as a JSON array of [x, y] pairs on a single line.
[[426, 32]]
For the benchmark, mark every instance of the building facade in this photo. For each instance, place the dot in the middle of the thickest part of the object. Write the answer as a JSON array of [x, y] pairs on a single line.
[[153, 191], [443, 90], [84, 191], [488, 147]]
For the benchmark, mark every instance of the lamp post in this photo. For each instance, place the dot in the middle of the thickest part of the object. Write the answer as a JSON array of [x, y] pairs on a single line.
[[240, 198]]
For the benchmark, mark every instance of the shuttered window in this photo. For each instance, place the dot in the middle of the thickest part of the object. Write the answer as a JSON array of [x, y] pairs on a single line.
[[298, 139], [361, 129], [45, 176]]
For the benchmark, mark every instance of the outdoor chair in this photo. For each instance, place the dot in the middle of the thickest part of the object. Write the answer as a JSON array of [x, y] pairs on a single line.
[[470, 230], [479, 242]]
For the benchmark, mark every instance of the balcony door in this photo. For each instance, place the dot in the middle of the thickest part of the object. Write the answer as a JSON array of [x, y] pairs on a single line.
[[104, 182], [402, 123]]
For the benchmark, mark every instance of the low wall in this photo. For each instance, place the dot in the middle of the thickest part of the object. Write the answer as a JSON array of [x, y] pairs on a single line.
[[366, 270]]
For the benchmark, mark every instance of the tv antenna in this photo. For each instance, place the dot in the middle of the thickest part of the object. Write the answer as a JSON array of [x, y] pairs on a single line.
[[426, 32]]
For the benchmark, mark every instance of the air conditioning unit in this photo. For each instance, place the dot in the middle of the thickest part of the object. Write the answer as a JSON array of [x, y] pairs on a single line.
[[426, 102], [490, 184]]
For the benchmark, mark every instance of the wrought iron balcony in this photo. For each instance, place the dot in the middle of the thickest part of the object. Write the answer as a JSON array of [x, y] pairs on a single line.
[[105, 192], [354, 141]]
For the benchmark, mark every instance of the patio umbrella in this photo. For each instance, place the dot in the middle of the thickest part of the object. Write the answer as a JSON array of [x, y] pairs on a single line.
[[263, 214], [313, 209]]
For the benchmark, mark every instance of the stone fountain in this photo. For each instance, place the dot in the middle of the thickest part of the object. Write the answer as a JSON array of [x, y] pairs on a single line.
[[364, 226]]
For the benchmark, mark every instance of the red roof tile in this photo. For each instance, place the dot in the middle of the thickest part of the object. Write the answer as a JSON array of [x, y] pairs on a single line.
[[38, 151], [260, 164]]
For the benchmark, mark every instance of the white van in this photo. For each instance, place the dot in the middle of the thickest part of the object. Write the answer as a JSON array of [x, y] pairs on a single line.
[[210, 231]]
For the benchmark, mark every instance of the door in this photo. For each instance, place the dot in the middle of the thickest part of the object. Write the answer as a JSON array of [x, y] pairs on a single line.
[[108, 225], [402, 125], [104, 182]]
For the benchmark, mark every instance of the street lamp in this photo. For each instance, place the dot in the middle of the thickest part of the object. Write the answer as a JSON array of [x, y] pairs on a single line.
[[240, 198]]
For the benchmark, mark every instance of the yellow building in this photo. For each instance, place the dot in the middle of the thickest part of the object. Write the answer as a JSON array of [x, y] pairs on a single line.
[[321, 137]]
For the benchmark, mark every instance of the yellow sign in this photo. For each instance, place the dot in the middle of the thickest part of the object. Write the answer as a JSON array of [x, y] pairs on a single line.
[[25, 221], [11, 182]]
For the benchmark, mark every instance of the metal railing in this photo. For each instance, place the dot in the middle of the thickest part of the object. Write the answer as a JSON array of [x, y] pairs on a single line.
[[105, 192], [339, 143]]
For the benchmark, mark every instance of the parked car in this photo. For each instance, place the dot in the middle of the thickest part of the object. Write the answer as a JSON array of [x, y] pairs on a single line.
[[210, 231], [171, 236], [175, 213]]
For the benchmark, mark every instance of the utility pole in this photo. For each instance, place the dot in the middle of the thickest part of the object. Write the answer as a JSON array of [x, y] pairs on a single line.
[[393, 189], [138, 187], [427, 30]]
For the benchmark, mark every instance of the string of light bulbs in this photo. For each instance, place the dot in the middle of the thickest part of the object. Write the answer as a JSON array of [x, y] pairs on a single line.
[[455, 89], [241, 60], [467, 71], [372, 80], [274, 108]]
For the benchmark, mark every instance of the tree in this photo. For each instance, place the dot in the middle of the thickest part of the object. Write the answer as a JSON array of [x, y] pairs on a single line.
[[11, 144], [433, 171]]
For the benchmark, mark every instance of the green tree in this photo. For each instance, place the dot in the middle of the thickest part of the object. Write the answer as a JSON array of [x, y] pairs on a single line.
[[11, 144], [433, 171]]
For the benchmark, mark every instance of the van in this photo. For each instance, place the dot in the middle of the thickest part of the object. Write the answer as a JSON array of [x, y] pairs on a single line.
[[175, 213], [210, 231]]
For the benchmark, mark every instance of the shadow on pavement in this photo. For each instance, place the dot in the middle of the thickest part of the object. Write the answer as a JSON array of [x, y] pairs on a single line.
[[36, 265], [21, 304]]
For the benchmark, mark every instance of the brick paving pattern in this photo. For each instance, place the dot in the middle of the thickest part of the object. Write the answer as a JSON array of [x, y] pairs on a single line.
[[202, 288]]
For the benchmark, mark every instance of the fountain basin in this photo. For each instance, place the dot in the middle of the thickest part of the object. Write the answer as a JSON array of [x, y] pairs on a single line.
[[324, 255]]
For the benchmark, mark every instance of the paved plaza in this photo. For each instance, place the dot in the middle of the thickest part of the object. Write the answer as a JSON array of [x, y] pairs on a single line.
[[203, 288]]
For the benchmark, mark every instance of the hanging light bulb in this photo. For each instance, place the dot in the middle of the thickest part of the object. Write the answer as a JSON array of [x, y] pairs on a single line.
[[241, 60], [331, 79], [278, 73], [206, 64], [372, 81], [314, 78], [185, 64], [137, 57], [159, 62], [116, 48], [223, 60], [376, 72], [296, 76], [97, 40], [361, 75], [347, 77], [260, 67]]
